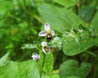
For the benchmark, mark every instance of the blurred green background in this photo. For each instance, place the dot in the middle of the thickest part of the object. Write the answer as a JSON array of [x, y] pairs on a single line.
[[74, 47]]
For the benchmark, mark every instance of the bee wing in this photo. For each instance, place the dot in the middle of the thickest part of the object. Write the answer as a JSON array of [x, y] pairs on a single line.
[[43, 33], [52, 32]]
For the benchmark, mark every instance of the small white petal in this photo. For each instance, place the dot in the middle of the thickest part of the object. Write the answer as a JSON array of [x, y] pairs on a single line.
[[46, 26], [52, 32], [44, 44], [43, 50], [42, 33]]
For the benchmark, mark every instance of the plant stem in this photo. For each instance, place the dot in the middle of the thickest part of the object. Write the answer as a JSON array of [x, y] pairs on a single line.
[[42, 66]]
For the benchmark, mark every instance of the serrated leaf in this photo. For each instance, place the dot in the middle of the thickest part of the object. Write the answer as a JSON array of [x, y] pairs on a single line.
[[72, 68]]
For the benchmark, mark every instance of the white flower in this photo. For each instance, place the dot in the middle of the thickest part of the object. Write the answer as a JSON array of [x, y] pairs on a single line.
[[47, 31], [35, 56], [45, 47]]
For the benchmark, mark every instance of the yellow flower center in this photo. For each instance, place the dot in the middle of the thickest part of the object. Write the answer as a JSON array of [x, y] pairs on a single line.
[[49, 31]]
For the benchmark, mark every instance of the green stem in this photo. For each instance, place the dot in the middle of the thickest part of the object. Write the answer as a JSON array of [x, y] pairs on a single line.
[[91, 53], [37, 18], [42, 66]]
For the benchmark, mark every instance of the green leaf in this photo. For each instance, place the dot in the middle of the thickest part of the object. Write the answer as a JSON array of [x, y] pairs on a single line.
[[4, 59], [48, 63], [67, 3], [72, 68], [59, 18], [94, 22], [27, 69], [72, 47], [86, 12], [10, 70]]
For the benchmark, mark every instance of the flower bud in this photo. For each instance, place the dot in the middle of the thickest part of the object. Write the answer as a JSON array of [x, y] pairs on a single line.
[[35, 56]]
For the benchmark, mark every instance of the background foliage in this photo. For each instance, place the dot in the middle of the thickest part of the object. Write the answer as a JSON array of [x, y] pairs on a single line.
[[74, 51]]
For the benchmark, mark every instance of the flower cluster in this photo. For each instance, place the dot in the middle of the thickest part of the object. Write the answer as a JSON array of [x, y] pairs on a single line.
[[48, 33]]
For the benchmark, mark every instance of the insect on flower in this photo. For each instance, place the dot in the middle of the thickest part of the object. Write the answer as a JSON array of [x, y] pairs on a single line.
[[35, 56], [45, 47], [47, 32]]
